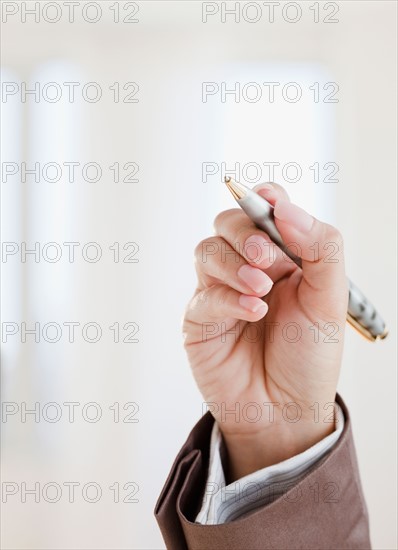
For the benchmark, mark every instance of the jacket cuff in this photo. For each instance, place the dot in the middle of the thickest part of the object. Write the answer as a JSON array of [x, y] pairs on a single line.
[[324, 509]]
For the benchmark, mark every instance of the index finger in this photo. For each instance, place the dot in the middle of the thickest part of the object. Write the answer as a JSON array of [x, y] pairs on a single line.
[[253, 244]]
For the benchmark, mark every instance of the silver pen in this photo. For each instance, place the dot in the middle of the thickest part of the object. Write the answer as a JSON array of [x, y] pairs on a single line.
[[361, 314]]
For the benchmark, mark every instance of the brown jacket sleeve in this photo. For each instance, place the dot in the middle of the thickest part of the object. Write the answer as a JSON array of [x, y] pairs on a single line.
[[325, 509]]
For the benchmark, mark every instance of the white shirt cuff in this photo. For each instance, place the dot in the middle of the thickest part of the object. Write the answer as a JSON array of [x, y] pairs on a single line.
[[222, 504]]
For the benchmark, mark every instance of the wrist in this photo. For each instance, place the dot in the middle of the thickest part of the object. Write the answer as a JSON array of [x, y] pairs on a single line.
[[248, 452]]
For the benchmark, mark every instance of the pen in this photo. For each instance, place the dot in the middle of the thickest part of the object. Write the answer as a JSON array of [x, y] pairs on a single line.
[[361, 314]]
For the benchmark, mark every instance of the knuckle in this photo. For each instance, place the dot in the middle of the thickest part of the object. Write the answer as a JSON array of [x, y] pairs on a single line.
[[334, 235], [207, 302], [223, 217], [221, 296], [243, 232], [205, 248], [198, 302]]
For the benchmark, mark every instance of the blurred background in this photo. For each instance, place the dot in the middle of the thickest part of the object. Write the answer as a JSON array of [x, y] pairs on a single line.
[[119, 120]]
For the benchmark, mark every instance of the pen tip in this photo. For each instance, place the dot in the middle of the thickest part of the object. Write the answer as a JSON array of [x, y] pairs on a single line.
[[237, 189]]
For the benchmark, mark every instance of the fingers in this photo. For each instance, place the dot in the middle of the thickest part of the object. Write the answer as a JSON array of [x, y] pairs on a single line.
[[241, 233], [229, 290], [251, 243], [217, 262], [321, 248], [271, 192], [216, 309]]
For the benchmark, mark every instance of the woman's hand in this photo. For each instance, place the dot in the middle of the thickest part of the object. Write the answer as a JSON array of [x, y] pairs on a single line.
[[268, 368]]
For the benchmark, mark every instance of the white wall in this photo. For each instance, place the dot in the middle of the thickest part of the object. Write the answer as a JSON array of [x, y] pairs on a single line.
[[170, 133]]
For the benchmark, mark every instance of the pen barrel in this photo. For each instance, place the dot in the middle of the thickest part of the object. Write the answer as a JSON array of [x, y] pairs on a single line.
[[361, 314]]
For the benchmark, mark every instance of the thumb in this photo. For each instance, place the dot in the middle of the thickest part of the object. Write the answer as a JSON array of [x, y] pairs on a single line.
[[320, 246]]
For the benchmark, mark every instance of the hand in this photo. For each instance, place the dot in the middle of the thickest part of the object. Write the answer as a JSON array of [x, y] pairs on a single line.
[[269, 379]]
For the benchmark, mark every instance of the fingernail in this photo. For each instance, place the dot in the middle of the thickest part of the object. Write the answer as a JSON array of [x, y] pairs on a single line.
[[255, 279], [268, 192], [266, 187], [293, 215], [252, 303]]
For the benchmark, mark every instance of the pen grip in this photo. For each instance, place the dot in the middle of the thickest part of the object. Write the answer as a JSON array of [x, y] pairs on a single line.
[[361, 314]]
